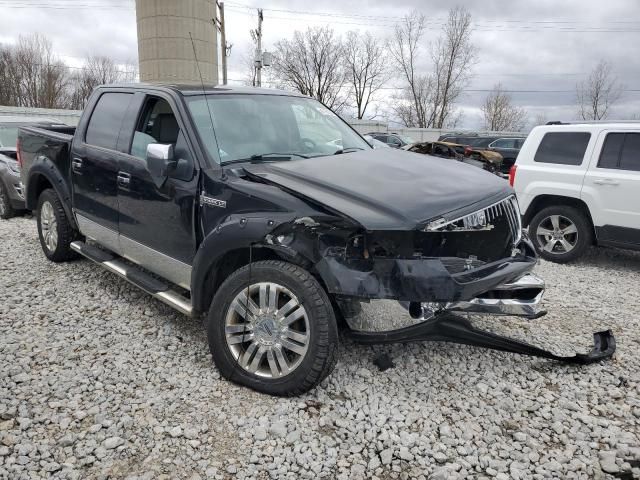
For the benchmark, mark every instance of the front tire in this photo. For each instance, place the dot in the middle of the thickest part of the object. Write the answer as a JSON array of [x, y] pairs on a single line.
[[283, 341], [6, 209], [561, 233], [54, 229]]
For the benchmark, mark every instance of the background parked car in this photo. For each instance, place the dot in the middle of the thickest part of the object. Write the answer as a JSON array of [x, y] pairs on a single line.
[[394, 140], [484, 159], [578, 185], [11, 189], [375, 143], [508, 147]]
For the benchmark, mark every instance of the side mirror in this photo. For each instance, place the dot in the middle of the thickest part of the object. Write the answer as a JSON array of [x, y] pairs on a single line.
[[160, 162]]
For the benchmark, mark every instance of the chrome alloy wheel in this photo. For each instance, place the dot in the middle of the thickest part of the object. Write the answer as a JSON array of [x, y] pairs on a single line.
[[557, 234], [49, 226], [267, 330]]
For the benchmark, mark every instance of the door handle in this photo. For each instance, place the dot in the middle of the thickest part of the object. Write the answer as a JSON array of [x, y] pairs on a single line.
[[124, 179], [76, 165], [606, 181]]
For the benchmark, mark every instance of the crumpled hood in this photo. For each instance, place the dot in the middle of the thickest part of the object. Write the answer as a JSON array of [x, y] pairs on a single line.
[[387, 189]]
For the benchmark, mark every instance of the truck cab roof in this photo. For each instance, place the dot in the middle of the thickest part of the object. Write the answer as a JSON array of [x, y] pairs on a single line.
[[195, 89]]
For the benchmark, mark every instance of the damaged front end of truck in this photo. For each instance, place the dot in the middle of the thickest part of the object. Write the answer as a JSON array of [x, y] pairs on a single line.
[[419, 284]]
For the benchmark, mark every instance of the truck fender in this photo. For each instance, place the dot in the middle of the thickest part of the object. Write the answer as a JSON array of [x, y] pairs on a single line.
[[237, 232], [44, 169]]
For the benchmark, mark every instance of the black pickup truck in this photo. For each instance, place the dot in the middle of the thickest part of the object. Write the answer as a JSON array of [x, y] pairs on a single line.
[[268, 215]]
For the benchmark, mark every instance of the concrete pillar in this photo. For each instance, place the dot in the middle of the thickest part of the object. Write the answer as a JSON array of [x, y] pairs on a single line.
[[165, 52]]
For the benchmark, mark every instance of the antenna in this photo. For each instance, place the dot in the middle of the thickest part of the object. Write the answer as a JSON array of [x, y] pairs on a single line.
[[204, 94]]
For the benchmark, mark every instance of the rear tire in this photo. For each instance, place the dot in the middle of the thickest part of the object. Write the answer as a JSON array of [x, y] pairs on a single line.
[[6, 209], [561, 233], [54, 229], [293, 356]]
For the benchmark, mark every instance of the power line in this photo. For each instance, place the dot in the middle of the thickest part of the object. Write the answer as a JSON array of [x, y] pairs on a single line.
[[478, 27], [533, 26]]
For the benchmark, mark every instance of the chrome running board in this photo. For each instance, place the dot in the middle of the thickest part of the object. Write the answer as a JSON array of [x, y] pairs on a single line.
[[153, 286]]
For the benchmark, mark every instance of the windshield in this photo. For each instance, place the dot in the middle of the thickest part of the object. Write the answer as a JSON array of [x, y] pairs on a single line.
[[8, 136], [248, 126], [406, 139]]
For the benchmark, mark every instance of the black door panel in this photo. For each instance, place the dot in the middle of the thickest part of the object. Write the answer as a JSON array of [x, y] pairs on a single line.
[[158, 218], [95, 161]]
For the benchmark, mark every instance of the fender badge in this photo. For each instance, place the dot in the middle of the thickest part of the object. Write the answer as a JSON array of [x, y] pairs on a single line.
[[212, 202]]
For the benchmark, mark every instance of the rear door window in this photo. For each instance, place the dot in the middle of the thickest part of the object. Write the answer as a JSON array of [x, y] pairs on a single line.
[[562, 148], [621, 151], [610, 155], [630, 158], [106, 120]]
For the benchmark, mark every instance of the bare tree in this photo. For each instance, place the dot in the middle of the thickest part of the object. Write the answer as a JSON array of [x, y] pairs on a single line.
[[9, 79], [97, 70], [413, 104], [598, 93], [428, 99], [500, 114], [312, 64], [249, 64], [540, 119], [453, 55], [42, 79], [367, 69]]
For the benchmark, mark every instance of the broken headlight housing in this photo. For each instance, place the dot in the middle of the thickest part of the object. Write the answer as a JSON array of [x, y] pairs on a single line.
[[484, 219]]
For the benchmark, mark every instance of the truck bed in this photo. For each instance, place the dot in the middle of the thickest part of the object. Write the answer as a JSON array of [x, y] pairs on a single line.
[[38, 146]]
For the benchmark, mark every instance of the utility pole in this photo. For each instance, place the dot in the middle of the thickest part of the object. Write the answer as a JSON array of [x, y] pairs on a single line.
[[261, 59], [259, 50], [223, 41], [224, 47]]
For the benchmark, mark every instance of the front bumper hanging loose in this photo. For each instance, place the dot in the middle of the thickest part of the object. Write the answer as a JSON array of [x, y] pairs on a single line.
[[442, 322], [449, 327]]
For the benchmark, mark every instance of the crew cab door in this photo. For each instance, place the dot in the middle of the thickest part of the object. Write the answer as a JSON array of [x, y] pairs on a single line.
[[94, 168], [157, 222], [612, 187]]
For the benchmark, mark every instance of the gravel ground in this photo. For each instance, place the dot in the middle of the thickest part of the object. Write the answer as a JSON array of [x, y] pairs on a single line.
[[98, 380]]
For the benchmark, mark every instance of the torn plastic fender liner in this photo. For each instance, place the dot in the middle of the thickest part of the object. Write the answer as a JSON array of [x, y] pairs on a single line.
[[236, 232], [415, 280], [455, 329]]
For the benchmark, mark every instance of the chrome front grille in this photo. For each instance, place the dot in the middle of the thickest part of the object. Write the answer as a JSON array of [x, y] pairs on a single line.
[[484, 219], [510, 210]]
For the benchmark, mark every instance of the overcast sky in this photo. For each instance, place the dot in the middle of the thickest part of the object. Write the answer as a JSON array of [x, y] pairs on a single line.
[[536, 45]]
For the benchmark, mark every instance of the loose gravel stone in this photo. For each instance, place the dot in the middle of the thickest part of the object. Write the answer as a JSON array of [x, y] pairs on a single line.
[[98, 380], [113, 442]]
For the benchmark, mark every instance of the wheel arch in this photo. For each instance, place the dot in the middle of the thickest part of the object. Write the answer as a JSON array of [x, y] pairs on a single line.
[[44, 174], [543, 201], [235, 244]]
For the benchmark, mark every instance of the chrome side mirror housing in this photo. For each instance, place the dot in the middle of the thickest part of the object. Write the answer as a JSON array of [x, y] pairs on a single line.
[[160, 162]]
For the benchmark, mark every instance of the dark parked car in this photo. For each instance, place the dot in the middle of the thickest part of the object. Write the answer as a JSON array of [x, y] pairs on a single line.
[[248, 212], [11, 190], [508, 147], [394, 140], [481, 158]]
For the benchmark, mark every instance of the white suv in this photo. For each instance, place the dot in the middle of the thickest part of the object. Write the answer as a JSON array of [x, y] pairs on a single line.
[[578, 185]]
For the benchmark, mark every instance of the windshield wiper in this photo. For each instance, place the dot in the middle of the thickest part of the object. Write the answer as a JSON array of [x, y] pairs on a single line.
[[347, 150], [258, 157]]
